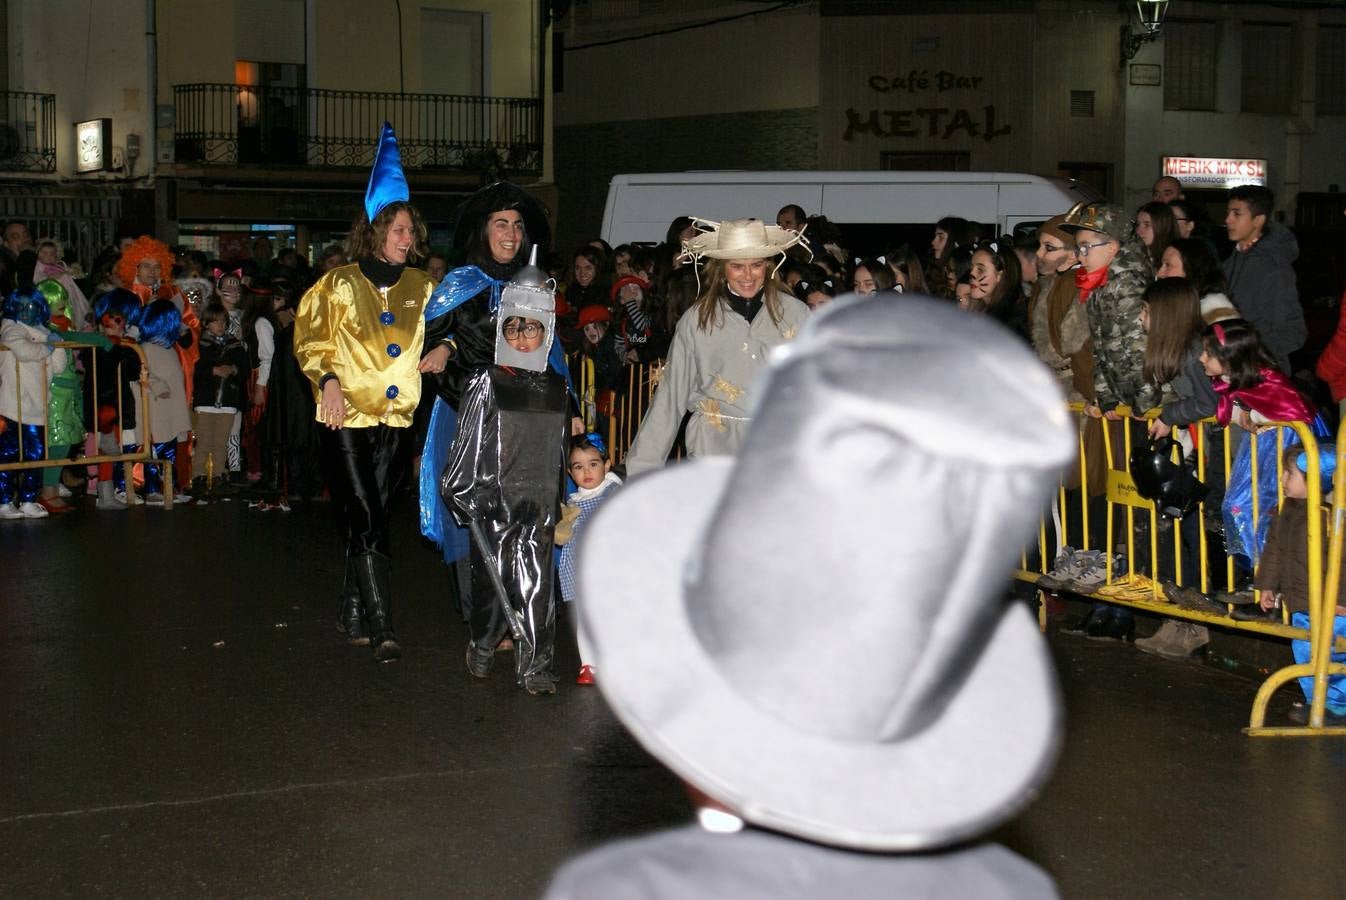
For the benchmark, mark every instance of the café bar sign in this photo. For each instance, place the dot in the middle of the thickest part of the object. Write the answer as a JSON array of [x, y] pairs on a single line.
[[1213, 171]]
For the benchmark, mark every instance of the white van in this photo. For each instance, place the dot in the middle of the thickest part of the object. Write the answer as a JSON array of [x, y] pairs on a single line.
[[874, 210]]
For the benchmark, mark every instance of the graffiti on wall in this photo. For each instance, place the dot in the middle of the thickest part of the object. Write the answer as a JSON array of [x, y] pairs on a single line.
[[931, 119]]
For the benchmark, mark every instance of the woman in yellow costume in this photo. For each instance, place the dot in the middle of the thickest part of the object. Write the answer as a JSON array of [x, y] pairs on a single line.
[[361, 337]]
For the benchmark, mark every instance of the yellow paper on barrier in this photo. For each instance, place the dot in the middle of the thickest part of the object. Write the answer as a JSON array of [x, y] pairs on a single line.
[[1121, 489]]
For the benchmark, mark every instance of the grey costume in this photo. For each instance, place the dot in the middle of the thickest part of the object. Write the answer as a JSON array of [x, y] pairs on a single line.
[[711, 375], [503, 482], [752, 864]]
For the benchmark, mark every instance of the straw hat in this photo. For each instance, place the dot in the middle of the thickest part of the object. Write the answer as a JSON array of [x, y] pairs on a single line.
[[818, 638], [739, 239]]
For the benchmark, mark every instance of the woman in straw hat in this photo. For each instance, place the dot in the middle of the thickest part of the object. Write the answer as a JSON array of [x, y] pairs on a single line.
[[721, 344]]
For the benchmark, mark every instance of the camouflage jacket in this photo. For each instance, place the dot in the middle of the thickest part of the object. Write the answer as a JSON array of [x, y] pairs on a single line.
[[1119, 342]]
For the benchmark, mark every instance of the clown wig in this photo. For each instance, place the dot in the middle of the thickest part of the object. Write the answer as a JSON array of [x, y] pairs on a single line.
[[144, 248]]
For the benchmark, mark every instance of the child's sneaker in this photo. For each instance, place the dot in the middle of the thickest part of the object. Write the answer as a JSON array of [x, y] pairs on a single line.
[[1095, 574], [1081, 562], [586, 675], [1131, 587], [32, 510], [124, 499], [9, 511], [155, 499], [1053, 580]]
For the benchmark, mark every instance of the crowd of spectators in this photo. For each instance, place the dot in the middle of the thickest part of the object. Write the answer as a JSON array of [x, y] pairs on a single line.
[[620, 306]]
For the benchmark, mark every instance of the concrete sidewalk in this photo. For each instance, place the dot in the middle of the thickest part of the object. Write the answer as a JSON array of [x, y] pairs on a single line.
[[180, 718]]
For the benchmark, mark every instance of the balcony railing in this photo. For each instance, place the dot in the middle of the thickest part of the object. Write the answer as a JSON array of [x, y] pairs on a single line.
[[27, 132], [278, 126]]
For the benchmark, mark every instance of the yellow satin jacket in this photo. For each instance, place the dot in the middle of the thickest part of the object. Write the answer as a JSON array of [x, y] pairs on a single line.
[[369, 339]]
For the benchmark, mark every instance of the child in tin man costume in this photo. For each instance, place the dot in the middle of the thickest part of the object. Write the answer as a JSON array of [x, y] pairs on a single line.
[[503, 483]]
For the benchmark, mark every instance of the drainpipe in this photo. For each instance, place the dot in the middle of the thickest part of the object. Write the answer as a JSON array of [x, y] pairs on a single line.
[[150, 149], [544, 21]]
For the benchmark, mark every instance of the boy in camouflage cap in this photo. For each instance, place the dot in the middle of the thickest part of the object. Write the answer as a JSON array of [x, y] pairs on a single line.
[[1114, 272]]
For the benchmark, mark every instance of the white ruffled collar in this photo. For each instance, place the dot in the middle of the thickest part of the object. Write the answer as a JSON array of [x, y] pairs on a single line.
[[608, 481]]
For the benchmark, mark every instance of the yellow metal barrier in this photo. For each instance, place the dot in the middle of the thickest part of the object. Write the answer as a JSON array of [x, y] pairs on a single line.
[[141, 454], [582, 375], [1322, 587], [631, 405]]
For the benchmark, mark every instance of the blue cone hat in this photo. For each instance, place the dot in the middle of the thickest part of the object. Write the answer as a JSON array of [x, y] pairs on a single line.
[[387, 184]]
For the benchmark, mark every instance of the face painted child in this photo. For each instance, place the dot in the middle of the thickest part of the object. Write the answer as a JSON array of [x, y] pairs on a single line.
[[594, 331]]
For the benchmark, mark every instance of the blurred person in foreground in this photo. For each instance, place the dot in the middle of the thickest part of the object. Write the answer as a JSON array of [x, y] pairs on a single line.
[[939, 717]]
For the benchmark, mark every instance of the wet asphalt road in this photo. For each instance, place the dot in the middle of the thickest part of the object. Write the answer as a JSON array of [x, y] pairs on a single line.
[[180, 718]]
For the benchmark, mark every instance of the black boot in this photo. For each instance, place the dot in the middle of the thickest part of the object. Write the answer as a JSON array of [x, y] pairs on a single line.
[[271, 473], [351, 613], [373, 573]]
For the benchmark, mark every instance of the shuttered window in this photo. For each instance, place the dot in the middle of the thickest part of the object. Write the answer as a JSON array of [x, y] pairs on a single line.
[[1191, 57], [1270, 66], [270, 30], [1331, 65]]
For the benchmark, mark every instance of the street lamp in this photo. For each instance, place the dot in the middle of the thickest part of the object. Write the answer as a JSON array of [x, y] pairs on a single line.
[[1150, 15]]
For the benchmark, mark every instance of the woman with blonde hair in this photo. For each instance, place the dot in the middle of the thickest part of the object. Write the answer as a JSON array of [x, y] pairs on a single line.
[[722, 342]]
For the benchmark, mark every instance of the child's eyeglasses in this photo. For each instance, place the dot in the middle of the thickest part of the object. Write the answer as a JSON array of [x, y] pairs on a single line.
[[1083, 249], [528, 330]]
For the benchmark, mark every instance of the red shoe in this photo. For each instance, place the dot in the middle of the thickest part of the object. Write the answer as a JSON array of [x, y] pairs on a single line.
[[54, 505], [586, 675]]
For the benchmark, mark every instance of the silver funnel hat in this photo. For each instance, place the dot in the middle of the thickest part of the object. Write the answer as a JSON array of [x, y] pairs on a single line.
[[527, 303]]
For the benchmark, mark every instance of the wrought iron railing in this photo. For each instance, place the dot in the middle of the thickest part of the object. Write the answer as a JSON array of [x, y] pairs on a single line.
[[27, 132], [238, 124]]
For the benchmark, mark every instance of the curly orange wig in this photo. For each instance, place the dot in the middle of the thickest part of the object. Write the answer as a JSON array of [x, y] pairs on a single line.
[[143, 248]]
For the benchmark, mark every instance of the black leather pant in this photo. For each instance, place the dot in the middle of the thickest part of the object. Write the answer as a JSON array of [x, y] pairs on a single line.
[[366, 466]]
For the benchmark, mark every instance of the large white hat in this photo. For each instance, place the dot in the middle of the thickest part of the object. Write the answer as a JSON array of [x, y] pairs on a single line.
[[739, 239], [814, 632]]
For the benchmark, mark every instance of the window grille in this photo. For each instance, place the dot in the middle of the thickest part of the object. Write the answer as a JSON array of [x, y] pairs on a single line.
[[1331, 66], [1269, 66], [1191, 56]]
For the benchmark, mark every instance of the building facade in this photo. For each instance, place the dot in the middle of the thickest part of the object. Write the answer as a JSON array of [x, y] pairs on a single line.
[[1040, 86], [206, 121]]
